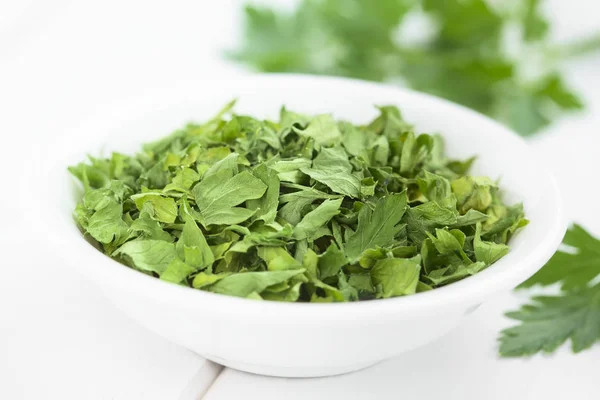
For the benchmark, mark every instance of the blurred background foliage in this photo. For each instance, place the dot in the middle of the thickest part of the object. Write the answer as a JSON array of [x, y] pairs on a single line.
[[492, 56]]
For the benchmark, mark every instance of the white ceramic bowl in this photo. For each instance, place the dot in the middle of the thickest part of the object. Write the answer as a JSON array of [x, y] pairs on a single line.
[[304, 340]]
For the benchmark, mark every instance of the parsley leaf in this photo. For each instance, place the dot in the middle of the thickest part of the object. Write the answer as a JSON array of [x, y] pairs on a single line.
[[550, 320], [147, 255], [315, 219], [217, 195], [573, 314], [395, 276], [249, 283], [332, 168], [377, 227], [459, 54], [306, 209], [574, 266]]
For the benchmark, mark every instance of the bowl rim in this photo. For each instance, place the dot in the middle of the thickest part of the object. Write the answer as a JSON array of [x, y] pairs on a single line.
[[467, 291]]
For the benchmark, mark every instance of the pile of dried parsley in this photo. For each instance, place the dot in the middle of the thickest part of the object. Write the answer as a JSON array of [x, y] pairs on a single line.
[[304, 209]]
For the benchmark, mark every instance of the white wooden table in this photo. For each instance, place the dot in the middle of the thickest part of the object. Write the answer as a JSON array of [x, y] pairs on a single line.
[[60, 339]]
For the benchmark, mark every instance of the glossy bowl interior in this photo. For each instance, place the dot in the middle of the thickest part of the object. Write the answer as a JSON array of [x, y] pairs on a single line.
[[286, 339]]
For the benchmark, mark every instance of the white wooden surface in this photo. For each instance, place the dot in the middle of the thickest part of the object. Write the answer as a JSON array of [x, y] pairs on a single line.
[[62, 340], [59, 338]]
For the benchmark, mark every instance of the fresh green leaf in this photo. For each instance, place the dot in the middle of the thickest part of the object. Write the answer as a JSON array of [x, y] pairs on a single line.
[[574, 314], [460, 53], [573, 266], [550, 321]]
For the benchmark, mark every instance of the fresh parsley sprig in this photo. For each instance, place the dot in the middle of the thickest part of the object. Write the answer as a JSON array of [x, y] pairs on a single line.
[[549, 321], [496, 59]]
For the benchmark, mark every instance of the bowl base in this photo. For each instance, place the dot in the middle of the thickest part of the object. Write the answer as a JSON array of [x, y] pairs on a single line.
[[291, 372]]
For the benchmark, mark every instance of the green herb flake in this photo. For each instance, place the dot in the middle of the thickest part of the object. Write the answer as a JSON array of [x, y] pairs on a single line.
[[306, 209]]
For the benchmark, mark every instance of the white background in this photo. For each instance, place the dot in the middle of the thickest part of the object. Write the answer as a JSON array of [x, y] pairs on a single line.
[[59, 339]]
